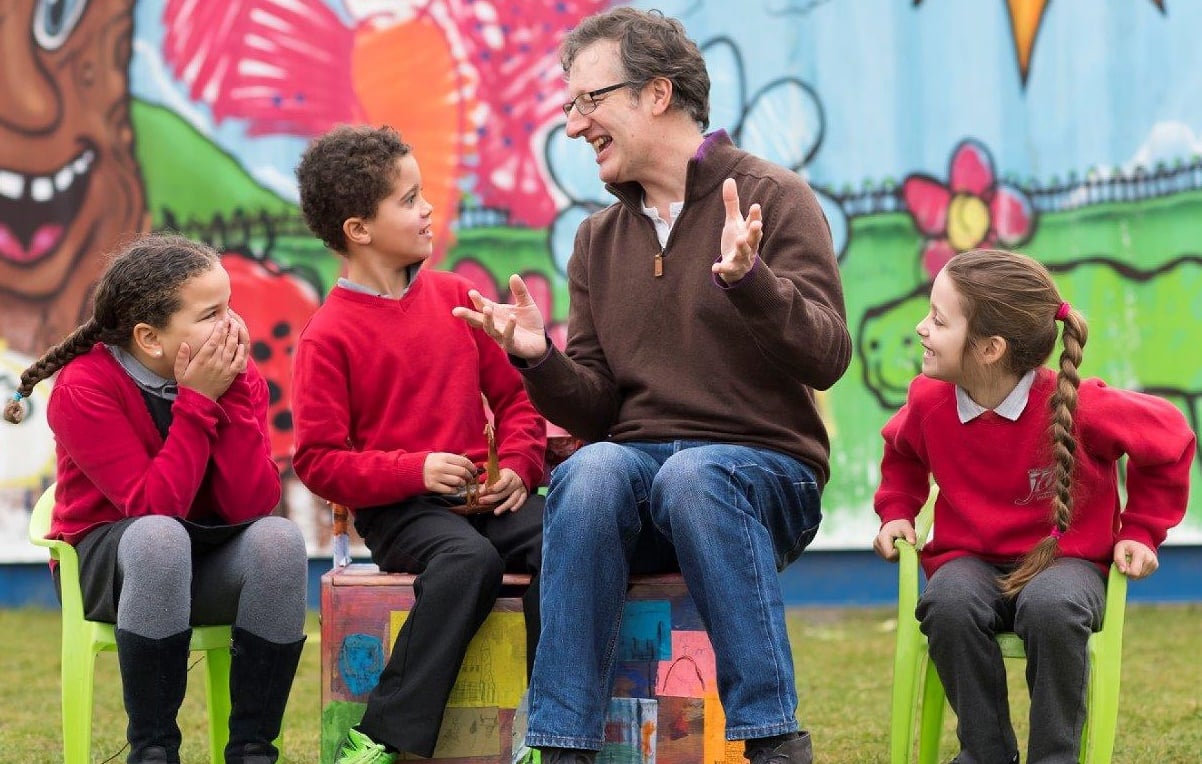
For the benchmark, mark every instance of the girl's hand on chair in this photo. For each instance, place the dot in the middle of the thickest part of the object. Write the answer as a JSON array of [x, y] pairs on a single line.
[[1135, 560], [509, 492], [891, 531]]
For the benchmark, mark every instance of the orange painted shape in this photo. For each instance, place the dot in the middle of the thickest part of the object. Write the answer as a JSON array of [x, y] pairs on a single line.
[[405, 76], [1025, 17]]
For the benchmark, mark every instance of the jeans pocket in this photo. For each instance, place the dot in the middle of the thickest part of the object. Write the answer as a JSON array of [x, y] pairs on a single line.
[[802, 521]]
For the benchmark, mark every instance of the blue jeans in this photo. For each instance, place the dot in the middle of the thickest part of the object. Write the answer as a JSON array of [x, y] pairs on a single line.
[[730, 516]]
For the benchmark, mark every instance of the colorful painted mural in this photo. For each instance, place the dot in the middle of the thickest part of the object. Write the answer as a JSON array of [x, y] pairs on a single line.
[[1071, 131]]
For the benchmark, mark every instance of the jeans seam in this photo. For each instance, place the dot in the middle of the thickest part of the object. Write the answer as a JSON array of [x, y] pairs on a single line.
[[765, 631]]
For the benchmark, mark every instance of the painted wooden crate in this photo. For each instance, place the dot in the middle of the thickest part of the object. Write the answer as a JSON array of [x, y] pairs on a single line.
[[665, 706]]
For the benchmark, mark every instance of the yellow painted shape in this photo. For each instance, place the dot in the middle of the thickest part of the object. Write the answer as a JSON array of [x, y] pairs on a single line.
[[494, 670]]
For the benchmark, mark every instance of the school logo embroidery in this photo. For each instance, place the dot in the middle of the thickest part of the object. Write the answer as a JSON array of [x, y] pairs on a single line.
[[1041, 485]]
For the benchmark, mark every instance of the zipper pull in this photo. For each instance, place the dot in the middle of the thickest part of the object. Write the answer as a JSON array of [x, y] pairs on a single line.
[[659, 264]]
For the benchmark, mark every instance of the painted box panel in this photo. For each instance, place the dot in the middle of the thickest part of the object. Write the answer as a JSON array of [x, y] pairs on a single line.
[[665, 706]]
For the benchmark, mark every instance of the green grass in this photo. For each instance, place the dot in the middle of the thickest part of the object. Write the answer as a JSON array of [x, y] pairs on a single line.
[[844, 662]]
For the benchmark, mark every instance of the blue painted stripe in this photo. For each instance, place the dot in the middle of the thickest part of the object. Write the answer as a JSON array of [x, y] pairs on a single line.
[[818, 579]]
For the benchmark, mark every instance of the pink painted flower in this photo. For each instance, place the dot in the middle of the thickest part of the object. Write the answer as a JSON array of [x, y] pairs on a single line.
[[972, 210]]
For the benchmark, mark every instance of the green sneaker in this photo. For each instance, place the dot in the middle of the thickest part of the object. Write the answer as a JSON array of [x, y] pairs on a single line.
[[358, 748]]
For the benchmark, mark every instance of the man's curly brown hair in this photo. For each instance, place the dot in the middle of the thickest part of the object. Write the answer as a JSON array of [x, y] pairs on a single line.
[[345, 174]]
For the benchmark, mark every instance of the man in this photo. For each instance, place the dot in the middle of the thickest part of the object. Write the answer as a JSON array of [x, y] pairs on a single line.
[[696, 338]]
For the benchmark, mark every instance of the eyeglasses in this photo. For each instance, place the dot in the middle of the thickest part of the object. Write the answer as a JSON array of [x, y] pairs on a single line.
[[586, 103]]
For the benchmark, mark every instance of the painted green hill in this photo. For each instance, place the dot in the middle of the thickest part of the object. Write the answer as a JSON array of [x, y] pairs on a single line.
[[186, 173]]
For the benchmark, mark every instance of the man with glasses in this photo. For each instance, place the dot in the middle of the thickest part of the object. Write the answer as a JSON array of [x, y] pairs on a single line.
[[696, 338]]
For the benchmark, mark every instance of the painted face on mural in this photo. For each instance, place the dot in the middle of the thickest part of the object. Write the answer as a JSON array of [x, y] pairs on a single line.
[[616, 128], [69, 182]]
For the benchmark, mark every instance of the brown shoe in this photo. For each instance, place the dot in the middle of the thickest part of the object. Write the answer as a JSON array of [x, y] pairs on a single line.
[[799, 750], [566, 756]]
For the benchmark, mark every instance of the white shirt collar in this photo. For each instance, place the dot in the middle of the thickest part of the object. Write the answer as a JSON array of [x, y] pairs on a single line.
[[663, 227], [1011, 408]]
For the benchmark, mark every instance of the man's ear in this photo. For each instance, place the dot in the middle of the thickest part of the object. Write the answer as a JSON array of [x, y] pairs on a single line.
[[991, 349], [356, 231], [661, 94], [146, 338]]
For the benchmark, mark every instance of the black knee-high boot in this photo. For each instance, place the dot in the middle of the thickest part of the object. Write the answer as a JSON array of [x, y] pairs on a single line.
[[154, 676], [260, 679]]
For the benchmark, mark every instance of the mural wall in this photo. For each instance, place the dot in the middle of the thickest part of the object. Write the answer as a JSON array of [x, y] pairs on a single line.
[[1070, 130]]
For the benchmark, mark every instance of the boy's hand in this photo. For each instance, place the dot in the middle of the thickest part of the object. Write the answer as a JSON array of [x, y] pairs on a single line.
[[447, 473], [509, 490], [1135, 560], [212, 369], [890, 531]]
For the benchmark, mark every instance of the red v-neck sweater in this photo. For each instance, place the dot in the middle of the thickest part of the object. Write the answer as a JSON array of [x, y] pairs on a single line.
[[214, 466], [379, 384], [994, 475]]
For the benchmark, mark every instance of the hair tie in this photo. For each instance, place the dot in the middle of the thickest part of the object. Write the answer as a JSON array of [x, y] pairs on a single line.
[[1056, 532], [17, 396], [1062, 311]]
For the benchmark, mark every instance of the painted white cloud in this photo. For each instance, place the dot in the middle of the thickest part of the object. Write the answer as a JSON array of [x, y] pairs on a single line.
[[1167, 142]]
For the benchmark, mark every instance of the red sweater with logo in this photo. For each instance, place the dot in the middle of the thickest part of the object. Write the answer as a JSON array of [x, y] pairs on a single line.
[[214, 466], [994, 475], [380, 383]]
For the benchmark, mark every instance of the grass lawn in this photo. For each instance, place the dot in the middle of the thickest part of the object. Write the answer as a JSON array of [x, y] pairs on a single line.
[[844, 668]]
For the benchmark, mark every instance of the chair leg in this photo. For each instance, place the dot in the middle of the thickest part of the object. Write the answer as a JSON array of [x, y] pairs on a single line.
[[217, 691], [1102, 707], [78, 663], [931, 716], [907, 664]]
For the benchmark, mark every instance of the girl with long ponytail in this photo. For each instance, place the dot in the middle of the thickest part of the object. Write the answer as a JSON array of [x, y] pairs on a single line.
[[1029, 515]]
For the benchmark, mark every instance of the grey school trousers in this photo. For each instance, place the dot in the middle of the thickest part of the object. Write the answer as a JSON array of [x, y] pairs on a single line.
[[963, 608]]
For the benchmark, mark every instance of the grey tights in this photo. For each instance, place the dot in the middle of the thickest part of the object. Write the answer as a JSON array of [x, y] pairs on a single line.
[[255, 581]]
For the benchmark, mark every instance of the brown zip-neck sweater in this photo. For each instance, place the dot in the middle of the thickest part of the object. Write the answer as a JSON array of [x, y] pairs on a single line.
[[682, 356]]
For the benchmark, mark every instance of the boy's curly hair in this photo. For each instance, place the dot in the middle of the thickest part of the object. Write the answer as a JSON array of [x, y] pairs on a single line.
[[344, 174]]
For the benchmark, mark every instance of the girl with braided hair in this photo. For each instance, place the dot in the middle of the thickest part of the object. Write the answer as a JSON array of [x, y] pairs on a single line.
[[165, 486], [1029, 515]]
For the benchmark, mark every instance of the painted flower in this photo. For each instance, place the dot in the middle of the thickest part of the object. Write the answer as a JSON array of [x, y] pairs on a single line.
[[753, 123], [972, 210]]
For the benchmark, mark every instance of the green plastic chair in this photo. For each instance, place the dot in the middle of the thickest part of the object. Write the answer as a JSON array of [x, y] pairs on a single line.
[[914, 674], [83, 639]]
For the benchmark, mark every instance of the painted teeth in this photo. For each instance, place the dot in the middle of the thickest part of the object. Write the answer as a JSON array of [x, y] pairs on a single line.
[[42, 188]]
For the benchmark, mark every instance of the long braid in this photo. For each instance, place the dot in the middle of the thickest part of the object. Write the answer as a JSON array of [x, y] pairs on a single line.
[[76, 343], [1063, 404]]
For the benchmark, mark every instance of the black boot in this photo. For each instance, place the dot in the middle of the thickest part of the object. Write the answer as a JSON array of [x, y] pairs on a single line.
[[260, 679], [154, 676]]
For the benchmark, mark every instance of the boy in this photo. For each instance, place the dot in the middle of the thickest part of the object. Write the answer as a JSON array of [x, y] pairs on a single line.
[[390, 422]]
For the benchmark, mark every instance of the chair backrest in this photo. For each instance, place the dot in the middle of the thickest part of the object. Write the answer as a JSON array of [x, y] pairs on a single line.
[[60, 551], [39, 520]]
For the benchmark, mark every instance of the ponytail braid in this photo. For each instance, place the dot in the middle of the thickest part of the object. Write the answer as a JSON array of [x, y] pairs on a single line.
[[77, 343], [1063, 404]]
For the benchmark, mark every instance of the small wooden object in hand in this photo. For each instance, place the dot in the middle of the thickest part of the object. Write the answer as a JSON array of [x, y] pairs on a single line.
[[492, 472]]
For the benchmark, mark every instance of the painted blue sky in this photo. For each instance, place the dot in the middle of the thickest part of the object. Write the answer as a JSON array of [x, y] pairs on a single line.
[[1111, 84]]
